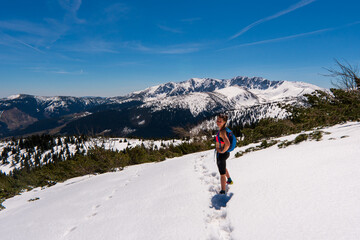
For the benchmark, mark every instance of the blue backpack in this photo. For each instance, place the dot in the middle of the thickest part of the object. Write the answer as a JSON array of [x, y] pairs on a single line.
[[231, 138]]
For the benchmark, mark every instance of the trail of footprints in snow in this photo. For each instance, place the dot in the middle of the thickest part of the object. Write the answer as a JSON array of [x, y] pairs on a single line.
[[218, 224], [96, 207]]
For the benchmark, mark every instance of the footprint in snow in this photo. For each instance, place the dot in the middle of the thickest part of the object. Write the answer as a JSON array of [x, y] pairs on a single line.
[[69, 231], [92, 215], [97, 206]]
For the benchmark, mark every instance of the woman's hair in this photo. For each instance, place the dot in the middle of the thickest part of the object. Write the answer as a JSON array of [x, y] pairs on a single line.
[[224, 117]]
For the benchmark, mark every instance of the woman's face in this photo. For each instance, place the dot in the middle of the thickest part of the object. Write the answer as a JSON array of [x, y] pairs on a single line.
[[220, 122]]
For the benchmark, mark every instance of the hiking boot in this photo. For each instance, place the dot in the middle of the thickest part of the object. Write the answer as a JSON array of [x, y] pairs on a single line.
[[229, 181], [222, 192]]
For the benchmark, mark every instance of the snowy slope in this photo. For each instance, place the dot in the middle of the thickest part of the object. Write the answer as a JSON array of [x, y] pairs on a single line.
[[246, 115], [304, 191], [285, 90], [115, 144], [196, 102], [238, 96]]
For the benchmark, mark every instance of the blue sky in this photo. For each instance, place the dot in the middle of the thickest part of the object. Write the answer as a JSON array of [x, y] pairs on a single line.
[[111, 48]]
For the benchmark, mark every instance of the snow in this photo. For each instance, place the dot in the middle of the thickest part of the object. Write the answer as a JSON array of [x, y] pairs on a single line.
[[115, 144], [127, 130], [239, 96], [12, 97], [227, 94], [56, 104], [196, 102], [305, 191], [232, 91], [247, 115], [196, 94], [285, 90], [80, 115], [141, 122]]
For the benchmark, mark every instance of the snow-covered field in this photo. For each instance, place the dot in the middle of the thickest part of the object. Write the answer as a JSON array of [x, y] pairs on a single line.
[[305, 191]]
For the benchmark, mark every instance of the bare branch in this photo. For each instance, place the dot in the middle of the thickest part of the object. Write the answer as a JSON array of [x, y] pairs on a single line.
[[346, 78]]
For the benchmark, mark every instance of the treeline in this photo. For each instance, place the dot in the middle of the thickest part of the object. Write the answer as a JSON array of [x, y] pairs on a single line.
[[97, 160], [37, 150]]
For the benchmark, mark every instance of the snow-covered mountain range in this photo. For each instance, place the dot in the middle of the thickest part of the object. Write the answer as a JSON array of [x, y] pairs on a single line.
[[203, 94], [179, 104]]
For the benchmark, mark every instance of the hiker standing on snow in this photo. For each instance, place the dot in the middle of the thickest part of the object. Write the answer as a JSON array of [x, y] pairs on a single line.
[[222, 153]]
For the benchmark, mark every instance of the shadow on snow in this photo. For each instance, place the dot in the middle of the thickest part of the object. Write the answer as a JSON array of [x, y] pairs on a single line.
[[220, 200]]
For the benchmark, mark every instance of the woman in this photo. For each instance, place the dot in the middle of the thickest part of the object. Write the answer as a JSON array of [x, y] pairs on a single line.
[[222, 145]]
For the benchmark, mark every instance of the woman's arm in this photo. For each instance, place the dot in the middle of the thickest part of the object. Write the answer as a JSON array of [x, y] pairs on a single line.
[[226, 146], [217, 147]]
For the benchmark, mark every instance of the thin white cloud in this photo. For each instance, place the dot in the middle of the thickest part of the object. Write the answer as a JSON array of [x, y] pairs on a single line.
[[102, 46], [91, 46], [55, 70], [24, 27], [351, 24], [116, 11], [72, 6], [179, 50], [57, 28], [292, 8], [28, 45], [170, 49], [36, 34], [80, 72], [21, 42], [292, 36], [168, 29], [280, 39]]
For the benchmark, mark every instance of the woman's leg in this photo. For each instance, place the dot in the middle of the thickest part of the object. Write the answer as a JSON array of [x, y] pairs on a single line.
[[223, 182], [227, 174], [221, 162], [222, 170]]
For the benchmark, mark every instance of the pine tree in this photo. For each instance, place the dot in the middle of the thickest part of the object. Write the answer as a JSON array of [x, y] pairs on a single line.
[[37, 160], [59, 142], [17, 158]]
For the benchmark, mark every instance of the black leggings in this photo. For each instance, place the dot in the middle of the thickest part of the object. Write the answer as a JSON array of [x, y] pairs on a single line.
[[221, 161]]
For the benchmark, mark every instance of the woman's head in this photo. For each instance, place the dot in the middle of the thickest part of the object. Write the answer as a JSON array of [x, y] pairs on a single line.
[[221, 120]]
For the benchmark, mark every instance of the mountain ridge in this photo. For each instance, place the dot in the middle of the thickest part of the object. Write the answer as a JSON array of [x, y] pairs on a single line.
[[197, 99]]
